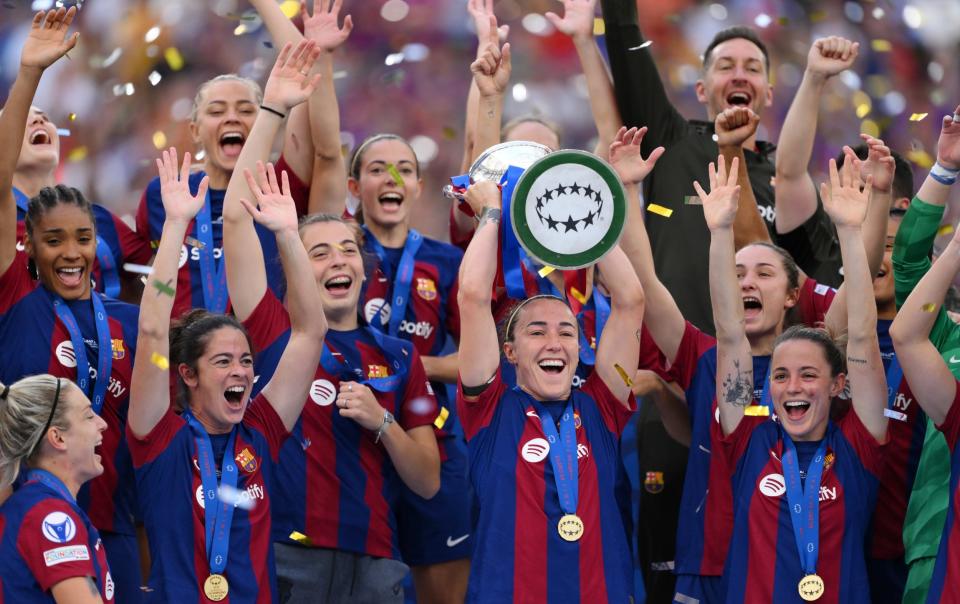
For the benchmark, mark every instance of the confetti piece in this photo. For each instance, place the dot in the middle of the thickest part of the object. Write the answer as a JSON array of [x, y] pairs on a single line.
[[159, 139], [63, 131], [77, 154], [658, 209], [623, 375], [290, 8], [894, 414], [240, 29], [945, 230], [268, 43], [580, 296], [441, 418], [928, 307], [72, 117], [641, 46], [543, 272], [195, 243], [599, 27], [164, 288], [301, 538], [397, 178], [916, 117], [339, 75], [921, 158], [449, 133], [782, 21], [817, 15], [142, 269], [154, 78], [881, 45], [692, 200], [174, 58], [757, 411], [863, 109], [160, 361]]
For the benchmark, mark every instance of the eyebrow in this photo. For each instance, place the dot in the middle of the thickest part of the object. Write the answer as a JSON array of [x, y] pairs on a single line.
[[224, 102], [758, 264], [544, 324], [399, 163], [342, 242], [804, 368], [60, 230]]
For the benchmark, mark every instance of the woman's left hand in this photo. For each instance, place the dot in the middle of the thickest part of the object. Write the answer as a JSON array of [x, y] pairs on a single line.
[[358, 403], [178, 203], [275, 207], [290, 82], [843, 199]]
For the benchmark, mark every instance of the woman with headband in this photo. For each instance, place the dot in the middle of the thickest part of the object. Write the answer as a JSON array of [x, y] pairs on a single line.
[[49, 549]]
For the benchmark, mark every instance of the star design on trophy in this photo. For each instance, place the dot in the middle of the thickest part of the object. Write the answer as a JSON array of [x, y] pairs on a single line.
[[587, 195]]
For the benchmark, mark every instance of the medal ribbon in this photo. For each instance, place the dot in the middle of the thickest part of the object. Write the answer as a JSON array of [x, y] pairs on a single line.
[[212, 277], [51, 481], [563, 454], [894, 379], [104, 348], [392, 350], [217, 514], [400, 294], [601, 308], [21, 198], [804, 501], [512, 253]]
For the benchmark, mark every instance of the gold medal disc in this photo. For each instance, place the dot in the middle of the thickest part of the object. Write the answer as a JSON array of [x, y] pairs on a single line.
[[216, 587], [570, 527], [811, 588]]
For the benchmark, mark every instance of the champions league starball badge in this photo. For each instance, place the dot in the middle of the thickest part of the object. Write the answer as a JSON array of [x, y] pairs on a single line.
[[568, 209]]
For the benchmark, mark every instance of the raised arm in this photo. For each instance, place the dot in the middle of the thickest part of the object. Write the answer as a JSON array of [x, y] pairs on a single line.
[[734, 126], [734, 358], [287, 87], [619, 343], [846, 204], [661, 314], [150, 383], [577, 22], [478, 332], [276, 210], [796, 195], [491, 72], [46, 42], [480, 11]]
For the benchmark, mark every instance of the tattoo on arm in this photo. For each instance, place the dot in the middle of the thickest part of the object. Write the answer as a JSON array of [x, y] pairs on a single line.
[[738, 388], [856, 360], [489, 214]]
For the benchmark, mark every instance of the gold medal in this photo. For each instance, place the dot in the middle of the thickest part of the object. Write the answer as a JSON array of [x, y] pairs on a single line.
[[570, 527], [811, 588], [216, 587]]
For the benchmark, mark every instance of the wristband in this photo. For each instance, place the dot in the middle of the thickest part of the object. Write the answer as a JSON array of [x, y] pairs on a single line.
[[273, 111], [387, 420], [943, 175]]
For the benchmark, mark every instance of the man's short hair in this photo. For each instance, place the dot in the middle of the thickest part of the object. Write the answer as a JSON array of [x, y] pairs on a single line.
[[732, 33], [902, 172]]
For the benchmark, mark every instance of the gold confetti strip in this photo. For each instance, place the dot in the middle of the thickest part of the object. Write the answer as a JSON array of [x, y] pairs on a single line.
[[441, 418], [159, 139], [195, 243], [77, 154], [921, 158], [392, 169], [580, 296], [599, 27], [449, 133], [160, 361], [881, 45], [916, 117], [174, 58], [658, 209], [543, 272], [928, 307], [945, 230], [623, 375], [301, 538], [290, 8], [757, 411], [72, 117]]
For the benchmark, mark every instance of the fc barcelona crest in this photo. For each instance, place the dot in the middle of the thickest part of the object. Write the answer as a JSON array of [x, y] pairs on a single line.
[[653, 483], [426, 288], [247, 461]]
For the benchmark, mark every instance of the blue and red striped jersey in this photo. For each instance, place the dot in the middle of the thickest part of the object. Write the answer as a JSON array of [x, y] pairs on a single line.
[[336, 485], [46, 539], [150, 219], [763, 564], [520, 556], [171, 497], [38, 342], [946, 571]]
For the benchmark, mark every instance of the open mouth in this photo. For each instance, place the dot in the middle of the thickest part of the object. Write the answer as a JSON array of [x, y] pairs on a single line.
[[70, 276], [752, 307], [234, 394], [738, 99], [554, 366], [391, 201], [338, 285], [39, 137], [231, 143], [795, 410]]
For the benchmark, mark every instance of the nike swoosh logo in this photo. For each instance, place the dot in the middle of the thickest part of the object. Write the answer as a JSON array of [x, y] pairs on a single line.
[[451, 542], [532, 413], [954, 359]]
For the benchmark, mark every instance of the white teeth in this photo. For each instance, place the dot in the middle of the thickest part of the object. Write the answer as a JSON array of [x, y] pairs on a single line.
[[339, 281], [231, 137], [70, 270], [236, 389], [791, 404], [391, 197], [552, 363]]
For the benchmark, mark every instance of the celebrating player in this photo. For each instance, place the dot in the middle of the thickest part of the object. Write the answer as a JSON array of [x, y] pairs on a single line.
[[803, 475], [48, 546], [207, 478]]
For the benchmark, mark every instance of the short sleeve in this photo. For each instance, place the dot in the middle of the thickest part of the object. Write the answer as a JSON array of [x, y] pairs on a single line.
[[814, 301], [692, 346], [133, 248], [731, 447], [268, 321], [951, 424], [650, 356], [54, 542], [453, 308], [615, 414], [868, 448], [419, 405], [476, 412], [148, 448], [15, 283], [262, 417], [299, 190]]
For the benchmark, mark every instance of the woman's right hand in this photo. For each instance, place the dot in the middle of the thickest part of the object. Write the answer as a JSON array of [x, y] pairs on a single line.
[[843, 199], [483, 194], [178, 203], [720, 205], [275, 208], [290, 82], [47, 40]]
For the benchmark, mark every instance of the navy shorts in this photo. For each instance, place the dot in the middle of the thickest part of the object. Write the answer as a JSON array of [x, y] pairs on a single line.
[[439, 529]]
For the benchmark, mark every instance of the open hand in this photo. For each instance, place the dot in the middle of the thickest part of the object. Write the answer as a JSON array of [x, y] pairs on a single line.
[[491, 70], [843, 199], [625, 156], [948, 146], [830, 56], [178, 203], [323, 27], [735, 125], [47, 40], [577, 21], [720, 205], [275, 208], [481, 11], [290, 82], [879, 163]]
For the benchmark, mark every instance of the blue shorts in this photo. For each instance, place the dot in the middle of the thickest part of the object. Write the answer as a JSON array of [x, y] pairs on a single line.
[[699, 589], [439, 529]]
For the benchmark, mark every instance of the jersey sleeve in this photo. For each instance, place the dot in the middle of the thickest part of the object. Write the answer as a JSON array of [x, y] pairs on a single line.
[[148, 448], [54, 542], [616, 415], [476, 412], [868, 448], [133, 248], [261, 416], [299, 190], [650, 356], [419, 405], [951, 424], [731, 447], [15, 283], [912, 246], [692, 346], [453, 308], [268, 321], [814, 301], [458, 238]]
